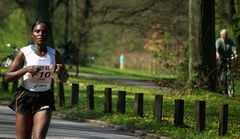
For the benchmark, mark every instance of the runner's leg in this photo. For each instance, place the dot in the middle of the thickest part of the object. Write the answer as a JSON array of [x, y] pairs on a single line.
[[23, 126], [41, 124]]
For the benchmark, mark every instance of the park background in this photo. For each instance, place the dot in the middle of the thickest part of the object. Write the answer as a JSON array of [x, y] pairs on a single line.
[[172, 37]]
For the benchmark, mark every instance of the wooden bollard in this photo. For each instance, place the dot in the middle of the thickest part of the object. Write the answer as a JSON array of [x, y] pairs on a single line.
[[179, 112], [61, 94], [108, 100], [52, 86], [52, 91], [75, 93], [158, 106], [200, 114], [14, 86], [223, 119], [4, 87], [121, 102], [90, 97], [138, 104]]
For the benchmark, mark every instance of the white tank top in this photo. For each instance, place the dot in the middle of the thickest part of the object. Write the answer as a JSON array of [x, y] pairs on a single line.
[[42, 80]]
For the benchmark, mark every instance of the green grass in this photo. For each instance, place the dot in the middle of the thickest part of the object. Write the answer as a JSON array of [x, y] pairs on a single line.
[[147, 123], [100, 70], [130, 120]]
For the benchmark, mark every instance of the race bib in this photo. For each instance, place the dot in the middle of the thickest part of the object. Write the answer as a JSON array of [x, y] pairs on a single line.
[[42, 79]]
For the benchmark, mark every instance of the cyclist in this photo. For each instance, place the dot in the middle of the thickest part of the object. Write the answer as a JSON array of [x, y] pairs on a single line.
[[33, 100], [225, 50]]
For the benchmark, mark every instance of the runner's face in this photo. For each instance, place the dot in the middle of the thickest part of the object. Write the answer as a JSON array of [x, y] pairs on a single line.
[[40, 34]]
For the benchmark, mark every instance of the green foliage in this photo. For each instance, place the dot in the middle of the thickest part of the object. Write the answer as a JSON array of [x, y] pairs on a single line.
[[111, 42], [110, 26], [166, 37], [236, 28], [14, 31]]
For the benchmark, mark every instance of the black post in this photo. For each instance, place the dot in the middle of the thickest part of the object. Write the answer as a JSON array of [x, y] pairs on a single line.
[[75, 93], [52, 91], [90, 97], [14, 86], [61, 94], [52, 86], [4, 87], [108, 100], [179, 112], [158, 106], [200, 113], [223, 119], [121, 102], [138, 104]]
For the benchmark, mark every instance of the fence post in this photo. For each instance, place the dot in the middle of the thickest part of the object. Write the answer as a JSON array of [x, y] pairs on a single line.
[[75, 93], [138, 104], [90, 97], [5, 85], [179, 112], [14, 86], [52, 91], [158, 106], [108, 100], [61, 94], [121, 102], [200, 113], [52, 86], [223, 119]]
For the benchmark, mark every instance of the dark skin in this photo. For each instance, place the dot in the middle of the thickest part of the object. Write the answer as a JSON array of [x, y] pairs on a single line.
[[35, 126]]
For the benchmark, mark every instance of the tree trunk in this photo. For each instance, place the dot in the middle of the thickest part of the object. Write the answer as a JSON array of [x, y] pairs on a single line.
[[36, 10], [66, 22], [202, 61], [85, 8]]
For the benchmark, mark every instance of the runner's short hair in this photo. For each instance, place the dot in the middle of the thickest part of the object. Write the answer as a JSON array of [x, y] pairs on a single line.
[[41, 21]]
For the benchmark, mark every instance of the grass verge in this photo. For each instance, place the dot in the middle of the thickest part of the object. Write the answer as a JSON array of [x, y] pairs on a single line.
[[147, 123]]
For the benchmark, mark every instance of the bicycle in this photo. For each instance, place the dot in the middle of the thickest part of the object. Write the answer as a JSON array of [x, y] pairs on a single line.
[[225, 78], [7, 60], [69, 56]]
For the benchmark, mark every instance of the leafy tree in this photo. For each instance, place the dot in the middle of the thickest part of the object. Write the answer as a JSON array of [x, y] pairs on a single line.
[[6, 7], [228, 16], [126, 15], [126, 23]]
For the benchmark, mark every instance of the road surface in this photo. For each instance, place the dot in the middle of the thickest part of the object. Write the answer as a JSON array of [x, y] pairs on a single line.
[[61, 129], [145, 83]]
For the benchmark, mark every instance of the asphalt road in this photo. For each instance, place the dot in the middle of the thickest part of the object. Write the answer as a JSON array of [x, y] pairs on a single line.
[[61, 129], [145, 83]]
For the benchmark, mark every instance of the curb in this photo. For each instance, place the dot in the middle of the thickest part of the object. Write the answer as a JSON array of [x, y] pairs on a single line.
[[132, 132], [137, 133]]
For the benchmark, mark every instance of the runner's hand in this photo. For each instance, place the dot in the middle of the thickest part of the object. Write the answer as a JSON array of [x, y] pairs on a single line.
[[60, 69], [32, 69]]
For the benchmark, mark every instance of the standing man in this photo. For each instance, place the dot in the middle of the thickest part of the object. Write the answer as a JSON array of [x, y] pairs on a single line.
[[225, 50], [225, 47]]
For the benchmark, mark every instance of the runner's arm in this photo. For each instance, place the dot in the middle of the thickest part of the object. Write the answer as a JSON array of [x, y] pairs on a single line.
[[61, 70], [15, 70]]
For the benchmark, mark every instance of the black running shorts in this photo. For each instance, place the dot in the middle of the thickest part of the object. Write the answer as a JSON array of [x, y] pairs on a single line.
[[29, 102]]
